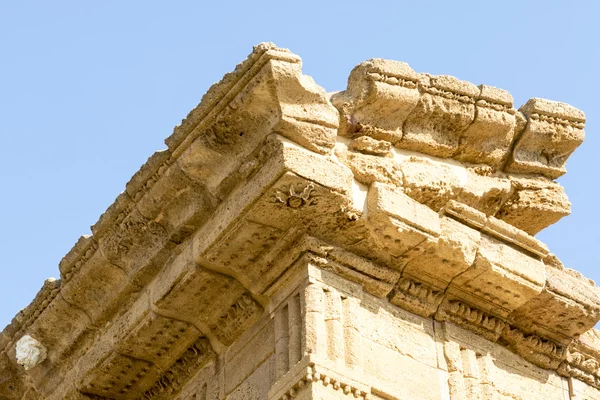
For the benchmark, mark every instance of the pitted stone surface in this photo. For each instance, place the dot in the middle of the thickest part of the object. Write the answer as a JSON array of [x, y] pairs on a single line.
[[376, 244]]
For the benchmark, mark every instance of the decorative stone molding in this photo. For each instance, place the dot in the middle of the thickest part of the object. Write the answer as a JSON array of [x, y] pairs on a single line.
[[436, 115], [543, 353], [471, 318], [280, 223], [314, 376], [416, 297], [554, 130]]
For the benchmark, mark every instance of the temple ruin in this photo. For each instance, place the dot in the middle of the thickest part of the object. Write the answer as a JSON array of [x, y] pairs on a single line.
[[375, 243]]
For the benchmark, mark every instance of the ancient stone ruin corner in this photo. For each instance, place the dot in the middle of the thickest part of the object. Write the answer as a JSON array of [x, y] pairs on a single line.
[[375, 243]]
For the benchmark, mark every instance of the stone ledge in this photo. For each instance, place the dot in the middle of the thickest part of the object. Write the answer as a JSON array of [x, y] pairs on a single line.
[[446, 117]]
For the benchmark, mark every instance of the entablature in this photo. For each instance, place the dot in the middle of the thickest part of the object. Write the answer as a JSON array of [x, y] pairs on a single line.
[[422, 190]]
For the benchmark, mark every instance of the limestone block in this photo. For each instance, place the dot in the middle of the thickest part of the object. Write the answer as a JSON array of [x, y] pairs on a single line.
[[568, 306], [396, 330], [466, 214], [501, 278], [325, 171], [316, 194], [495, 228], [242, 249], [382, 366], [368, 169], [338, 267], [254, 351], [554, 130], [379, 97], [265, 93], [484, 191], [445, 110], [535, 203], [132, 240], [398, 222], [173, 200], [99, 288], [431, 182], [453, 254], [256, 386], [58, 326], [488, 138], [307, 116]]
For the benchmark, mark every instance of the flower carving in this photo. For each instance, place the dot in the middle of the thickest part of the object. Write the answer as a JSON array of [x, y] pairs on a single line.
[[295, 196]]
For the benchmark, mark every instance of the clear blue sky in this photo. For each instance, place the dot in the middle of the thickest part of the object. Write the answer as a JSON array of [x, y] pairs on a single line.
[[89, 89]]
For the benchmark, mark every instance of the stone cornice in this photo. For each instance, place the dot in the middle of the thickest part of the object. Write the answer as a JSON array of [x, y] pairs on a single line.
[[256, 184], [446, 117]]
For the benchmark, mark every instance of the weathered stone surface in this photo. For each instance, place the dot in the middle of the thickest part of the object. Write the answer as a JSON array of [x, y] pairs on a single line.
[[399, 222], [283, 247], [454, 253], [431, 182], [554, 130], [445, 110], [534, 204], [380, 96], [501, 278], [488, 138], [568, 295]]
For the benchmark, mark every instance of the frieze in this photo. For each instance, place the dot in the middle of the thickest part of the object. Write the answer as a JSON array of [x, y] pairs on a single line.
[[541, 352], [581, 366], [416, 297], [470, 318]]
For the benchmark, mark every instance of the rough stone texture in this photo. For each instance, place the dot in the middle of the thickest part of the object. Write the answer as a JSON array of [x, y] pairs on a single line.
[[372, 244]]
